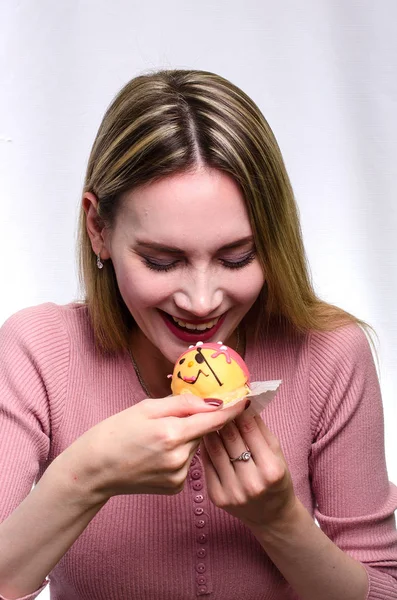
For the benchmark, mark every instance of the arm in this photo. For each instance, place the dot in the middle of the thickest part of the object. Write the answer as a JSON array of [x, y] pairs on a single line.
[[33, 344], [311, 563], [144, 449], [260, 494], [355, 503], [97, 466], [42, 528]]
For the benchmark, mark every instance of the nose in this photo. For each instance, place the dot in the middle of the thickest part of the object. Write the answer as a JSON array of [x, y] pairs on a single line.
[[199, 295]]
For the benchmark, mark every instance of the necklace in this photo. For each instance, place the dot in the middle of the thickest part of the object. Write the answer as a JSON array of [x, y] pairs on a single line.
[[138, 374], [140, 378]]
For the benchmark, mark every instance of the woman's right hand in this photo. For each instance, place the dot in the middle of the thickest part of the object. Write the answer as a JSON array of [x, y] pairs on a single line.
[[145, 449]]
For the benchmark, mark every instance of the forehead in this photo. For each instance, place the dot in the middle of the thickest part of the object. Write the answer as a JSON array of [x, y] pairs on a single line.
[[205, 204]]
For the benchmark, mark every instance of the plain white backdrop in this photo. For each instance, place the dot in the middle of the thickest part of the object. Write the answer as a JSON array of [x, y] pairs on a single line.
[[323, 73]]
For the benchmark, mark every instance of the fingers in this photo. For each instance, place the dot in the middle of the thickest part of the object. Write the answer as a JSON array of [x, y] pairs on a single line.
[[219, 457], [182, 405], [177, 477], [233, 442], [268, 435], [234, 439], [193, 445], [199, 424], [227, 445], [213, 482]]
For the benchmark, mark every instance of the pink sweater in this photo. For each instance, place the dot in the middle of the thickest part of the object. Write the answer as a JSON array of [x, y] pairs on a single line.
[[327, 415]]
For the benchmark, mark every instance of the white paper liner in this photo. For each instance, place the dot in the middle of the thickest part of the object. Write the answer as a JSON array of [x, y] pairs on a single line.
[[262, 392]]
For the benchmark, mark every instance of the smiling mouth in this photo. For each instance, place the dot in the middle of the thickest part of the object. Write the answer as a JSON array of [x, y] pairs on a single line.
[[192, 331], [191, 380], [192, 327]]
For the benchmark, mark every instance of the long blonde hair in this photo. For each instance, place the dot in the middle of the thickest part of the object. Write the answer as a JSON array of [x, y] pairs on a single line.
[[164, 123]]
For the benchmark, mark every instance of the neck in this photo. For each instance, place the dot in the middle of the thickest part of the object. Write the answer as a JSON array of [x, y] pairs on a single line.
[[151, 366]]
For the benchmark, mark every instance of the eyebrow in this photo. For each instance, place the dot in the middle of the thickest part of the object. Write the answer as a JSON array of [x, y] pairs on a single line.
[[175, 250]]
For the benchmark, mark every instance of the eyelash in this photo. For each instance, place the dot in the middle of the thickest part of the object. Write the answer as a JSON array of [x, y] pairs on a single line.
[[240, 264]]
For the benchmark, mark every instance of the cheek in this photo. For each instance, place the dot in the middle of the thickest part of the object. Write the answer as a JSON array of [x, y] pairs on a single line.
[[140, 287], [247, 286]]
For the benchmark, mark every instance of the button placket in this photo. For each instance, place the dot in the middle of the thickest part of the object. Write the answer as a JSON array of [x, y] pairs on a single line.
[[201, 524]]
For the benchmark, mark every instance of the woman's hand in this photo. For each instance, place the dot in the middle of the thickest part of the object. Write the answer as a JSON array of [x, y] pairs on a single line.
[[145, 449], [259, 492]]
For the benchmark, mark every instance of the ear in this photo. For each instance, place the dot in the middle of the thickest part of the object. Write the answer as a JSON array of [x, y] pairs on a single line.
[[95, 226]]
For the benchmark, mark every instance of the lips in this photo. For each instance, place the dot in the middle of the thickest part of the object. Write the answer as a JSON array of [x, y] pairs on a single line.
[[192, 335]]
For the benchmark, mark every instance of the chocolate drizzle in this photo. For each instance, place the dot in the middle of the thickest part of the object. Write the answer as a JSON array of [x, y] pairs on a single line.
[[193, 380], [209, 366]]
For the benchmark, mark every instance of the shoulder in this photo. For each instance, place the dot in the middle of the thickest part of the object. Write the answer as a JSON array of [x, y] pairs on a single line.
[[343, 377], [35, 355], [343, 345], [45, 329], [43, 317], [341, 341], [345, 349]]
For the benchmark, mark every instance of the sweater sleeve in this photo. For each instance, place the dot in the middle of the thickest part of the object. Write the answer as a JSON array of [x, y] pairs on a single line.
[[355, 502], [34, 356]]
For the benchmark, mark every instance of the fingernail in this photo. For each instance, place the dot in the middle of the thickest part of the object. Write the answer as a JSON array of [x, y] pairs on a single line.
[[213, 401], [247, 404]]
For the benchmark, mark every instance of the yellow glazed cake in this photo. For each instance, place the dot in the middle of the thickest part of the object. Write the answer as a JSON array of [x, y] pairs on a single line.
[[211, 371]]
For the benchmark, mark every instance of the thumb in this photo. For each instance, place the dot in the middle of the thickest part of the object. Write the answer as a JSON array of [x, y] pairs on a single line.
[[182, 405]]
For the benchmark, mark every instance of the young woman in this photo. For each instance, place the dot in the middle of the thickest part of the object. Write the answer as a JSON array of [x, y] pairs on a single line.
[[188, 232]]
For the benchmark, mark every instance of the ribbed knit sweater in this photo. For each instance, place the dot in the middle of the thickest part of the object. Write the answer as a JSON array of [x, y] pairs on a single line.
[[55, 384]]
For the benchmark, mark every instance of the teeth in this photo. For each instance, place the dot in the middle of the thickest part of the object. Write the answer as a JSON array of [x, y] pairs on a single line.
[[198, 326]]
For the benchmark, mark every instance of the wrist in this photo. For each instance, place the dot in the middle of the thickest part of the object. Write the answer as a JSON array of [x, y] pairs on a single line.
[[73, 480], [288, 524]]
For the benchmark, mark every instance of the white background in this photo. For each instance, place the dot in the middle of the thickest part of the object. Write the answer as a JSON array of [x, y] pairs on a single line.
[[323, 73]]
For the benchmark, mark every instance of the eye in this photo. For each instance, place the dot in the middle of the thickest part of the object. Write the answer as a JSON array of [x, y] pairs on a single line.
[[240, 263], [199, 358], [182, 361], [159, 266]]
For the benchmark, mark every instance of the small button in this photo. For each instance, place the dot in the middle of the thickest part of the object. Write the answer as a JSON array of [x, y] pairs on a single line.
[[198, 451], [201, 580], [201, 553], [196, 474], [202, 538], [198, 498], [197, 485], [200, 567], [193, 461], [200, 523], [202, 589], [198, 510]]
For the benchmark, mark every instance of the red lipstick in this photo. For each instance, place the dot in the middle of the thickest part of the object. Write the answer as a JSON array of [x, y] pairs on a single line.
[[191, 337]]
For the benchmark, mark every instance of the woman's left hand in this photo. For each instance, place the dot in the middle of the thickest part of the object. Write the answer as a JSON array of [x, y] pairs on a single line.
[[259, 491]]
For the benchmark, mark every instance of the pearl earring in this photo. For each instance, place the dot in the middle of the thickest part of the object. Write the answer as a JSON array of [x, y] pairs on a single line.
[[99, 263]]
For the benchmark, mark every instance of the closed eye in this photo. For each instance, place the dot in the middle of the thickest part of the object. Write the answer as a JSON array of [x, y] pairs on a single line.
[[239, 264], [228, 264], [160, 266]]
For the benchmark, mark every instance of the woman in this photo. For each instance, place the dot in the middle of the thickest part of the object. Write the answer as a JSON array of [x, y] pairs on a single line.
[[189, 232]]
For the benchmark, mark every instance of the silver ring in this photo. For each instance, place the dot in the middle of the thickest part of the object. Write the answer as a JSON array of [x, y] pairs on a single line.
[[244, 456]]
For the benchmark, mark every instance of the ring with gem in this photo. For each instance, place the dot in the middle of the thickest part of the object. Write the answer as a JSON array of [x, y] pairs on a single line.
[[244, 456]]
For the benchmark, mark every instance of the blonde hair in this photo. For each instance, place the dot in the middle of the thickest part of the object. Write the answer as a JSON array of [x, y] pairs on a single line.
[[167, 122]]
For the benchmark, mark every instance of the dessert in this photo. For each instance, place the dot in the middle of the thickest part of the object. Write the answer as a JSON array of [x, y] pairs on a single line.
[[211, 370]]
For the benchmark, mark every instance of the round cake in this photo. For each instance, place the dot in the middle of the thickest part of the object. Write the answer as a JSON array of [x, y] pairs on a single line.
[[211, 371]]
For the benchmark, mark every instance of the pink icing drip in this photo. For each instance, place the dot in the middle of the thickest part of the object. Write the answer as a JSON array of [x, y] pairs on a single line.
[[225, 352], [230, 355]]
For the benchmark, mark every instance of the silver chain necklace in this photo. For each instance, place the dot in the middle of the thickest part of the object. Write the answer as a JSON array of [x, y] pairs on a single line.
[[138, 374], [140, 378]]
